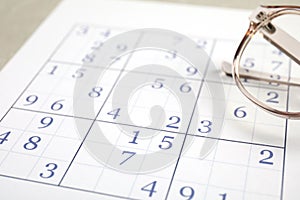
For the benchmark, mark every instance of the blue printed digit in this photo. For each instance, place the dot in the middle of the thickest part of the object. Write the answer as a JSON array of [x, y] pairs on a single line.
[[54, 68], [166, 142], [158, 83], [206, 126], [57, 105], [130, 155], [187, 192], [46, 121], [224, 195], [4, 136], [266, 160], [239, 112], [32, 143], [96, 92], [150, 188], [191, 71], [175, 120], [31, 99], [185, 88], [51, 167], [115, 113], [273, 97], [135, 137]]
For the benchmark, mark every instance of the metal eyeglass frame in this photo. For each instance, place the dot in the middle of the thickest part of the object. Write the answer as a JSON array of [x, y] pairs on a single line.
[[260, 20]]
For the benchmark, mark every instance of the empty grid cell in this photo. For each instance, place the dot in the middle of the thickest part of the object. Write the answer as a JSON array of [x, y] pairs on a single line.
[[82, 176], [10, 166], [233, 153], [253, 196], [198, 170], [263, 181], [238, 131], [112, 182], [3, 155], [228, 175], [54, 149], [268, 134]]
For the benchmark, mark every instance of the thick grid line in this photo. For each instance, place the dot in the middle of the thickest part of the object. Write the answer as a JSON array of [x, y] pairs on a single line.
[[285, 134], [155, 129], [43, 66], [95, 119], [67, 187], [184, 139], [251, 85]]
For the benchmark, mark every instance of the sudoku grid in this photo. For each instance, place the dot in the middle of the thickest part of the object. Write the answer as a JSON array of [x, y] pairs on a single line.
[[39, 140]]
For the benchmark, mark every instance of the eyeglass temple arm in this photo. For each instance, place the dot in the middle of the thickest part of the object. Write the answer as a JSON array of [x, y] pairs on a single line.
[[284, 42], [260, 76]]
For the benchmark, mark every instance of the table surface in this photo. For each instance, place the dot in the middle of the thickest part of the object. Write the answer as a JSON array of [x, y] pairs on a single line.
[[19, 19]]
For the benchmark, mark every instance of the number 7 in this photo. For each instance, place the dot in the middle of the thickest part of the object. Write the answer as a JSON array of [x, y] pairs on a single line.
[[130, 155]]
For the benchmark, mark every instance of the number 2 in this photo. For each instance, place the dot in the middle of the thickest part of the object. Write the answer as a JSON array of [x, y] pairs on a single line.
[[266, 160], [273, 97], [172, 125]]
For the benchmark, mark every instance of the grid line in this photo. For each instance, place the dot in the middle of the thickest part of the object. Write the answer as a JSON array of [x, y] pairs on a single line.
[[94, 120]]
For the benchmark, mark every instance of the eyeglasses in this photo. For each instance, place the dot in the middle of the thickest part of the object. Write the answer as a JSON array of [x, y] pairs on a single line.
[[261, 21]]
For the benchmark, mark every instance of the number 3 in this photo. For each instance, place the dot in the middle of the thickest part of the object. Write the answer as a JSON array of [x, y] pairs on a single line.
[[51, 167]]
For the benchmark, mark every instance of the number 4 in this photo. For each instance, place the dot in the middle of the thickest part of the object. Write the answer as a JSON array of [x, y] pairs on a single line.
[[3, 137], [150, 188], [115, 113]]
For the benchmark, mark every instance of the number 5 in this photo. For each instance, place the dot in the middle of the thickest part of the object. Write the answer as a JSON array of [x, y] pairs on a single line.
[[166, 140], [158, 83]]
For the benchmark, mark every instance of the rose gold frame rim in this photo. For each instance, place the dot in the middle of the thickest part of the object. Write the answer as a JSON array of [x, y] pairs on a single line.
[[252, 30]]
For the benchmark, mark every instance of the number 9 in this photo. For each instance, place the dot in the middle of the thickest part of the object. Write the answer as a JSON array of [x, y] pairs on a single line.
[[187, 192]]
